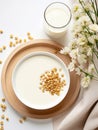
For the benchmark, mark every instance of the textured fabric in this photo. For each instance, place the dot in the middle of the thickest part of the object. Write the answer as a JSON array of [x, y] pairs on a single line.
[[84, 114]]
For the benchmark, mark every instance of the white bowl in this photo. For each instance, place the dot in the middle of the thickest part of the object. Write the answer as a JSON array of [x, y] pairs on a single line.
[[26, 78]]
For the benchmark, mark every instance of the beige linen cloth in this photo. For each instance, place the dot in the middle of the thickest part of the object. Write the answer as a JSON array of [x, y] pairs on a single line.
[[84, 114]]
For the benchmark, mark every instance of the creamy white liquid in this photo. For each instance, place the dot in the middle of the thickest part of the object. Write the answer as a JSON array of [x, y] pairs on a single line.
[[57, 15], [27, 78]]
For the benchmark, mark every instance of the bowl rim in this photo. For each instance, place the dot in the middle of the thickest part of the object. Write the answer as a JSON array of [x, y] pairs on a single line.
[[60, 3], [38, 107]]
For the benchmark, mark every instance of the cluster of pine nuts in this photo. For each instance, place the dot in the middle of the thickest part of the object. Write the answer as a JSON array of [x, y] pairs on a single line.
[[52, 81], [2, 116]]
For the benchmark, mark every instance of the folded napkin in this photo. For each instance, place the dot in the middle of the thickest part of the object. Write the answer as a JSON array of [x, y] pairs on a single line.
[[84, 114]]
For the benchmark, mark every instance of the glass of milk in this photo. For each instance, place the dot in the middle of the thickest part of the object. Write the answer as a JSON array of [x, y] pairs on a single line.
[[57, 17]]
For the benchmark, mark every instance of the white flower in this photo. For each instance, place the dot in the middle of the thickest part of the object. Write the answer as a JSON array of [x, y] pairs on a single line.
[[65, 50], [82, 41], [82, 58], [92, 39], [77, 28], [96, 37], [89, 51], [77, 7], [73, 45], [73, 54], [78, 71], [93, 27], [91, 68], [71, 66], [82, 49], [85, 38], [85, 81], [88, 6], [84, 20], [77, 11]]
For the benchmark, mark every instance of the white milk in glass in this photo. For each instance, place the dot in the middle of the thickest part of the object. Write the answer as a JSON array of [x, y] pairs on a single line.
[[57, 16]]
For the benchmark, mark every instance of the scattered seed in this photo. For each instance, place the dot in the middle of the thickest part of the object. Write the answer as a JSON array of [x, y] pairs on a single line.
[[0, 62], [4, 47], [1, 31], [16, 38], [30, 38], [62, 75], [25, 40], [24, 118], [1, 123], [1, 128], [3, 106], [3, 116], [28, 33], [21, 121], [3, 99], [20, 40], [14, 44], [0, 49], [60, 69], [7, 119], [11, 36], [11, 44]]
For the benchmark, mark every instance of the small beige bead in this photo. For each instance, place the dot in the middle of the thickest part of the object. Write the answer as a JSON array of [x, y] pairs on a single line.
[[21, 121], [3, 99], [11, 36], [1, 31], [25, 40], [28, 33], [16, 38], [4, 47], [1, 50], [14, 44], [7, 119], [11, 44], [0, 62], [3, 116], [20, 40]]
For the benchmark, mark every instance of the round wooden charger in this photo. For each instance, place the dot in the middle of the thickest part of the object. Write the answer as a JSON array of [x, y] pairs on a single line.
[[16, 55]]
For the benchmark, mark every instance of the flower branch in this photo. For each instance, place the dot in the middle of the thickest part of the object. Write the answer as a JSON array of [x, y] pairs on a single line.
[[84, 46]]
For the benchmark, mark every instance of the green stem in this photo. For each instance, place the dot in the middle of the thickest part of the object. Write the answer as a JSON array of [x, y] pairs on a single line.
[[89, 43], [87, 12], [87, 74], [96, 8], [88, 30], [95, 11], [95, 52]]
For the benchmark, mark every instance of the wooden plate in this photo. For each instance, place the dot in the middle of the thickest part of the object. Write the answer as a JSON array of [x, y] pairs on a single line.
[[16, 55]]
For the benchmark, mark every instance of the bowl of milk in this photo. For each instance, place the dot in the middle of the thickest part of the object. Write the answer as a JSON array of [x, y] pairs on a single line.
[[57, 17], [26, 80]]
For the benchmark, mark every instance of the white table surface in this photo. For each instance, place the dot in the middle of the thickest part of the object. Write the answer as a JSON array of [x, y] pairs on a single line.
[[19, 17]]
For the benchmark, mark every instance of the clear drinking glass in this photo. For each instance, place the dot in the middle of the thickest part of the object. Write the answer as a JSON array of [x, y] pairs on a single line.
[[57, 17]]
